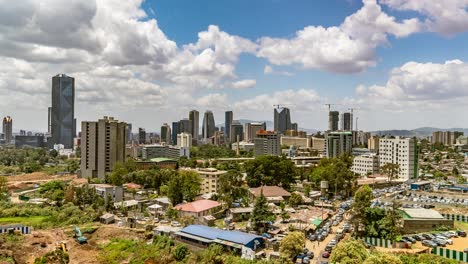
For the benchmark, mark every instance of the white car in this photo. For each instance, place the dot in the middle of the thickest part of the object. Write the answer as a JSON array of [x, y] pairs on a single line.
[[449, 241]]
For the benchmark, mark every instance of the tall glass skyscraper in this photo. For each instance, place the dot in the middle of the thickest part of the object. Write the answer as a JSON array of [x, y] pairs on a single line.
[[282, 120], [62, 121], [209, 126], [227, 125], [195, 119]]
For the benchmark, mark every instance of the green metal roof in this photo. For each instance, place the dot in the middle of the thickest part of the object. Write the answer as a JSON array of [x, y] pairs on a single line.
[[316, 222], [161, 159]]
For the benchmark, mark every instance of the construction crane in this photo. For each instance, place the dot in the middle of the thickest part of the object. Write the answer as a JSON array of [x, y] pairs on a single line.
[[352, 114], [329, 106], [281, 105]]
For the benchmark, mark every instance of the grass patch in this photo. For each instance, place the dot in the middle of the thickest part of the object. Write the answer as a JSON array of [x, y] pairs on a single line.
[[25, 220], [461, 226], [7, 260]]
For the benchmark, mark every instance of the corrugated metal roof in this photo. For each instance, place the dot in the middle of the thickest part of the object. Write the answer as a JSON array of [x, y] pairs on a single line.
[[214, 233]]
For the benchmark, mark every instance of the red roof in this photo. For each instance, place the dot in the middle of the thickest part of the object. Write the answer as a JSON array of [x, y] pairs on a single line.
[[270, 191], [197, 206]]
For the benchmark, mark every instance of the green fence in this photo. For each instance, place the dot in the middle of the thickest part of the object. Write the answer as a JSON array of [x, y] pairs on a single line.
[[450, 254], [378, 242], [460, 218]]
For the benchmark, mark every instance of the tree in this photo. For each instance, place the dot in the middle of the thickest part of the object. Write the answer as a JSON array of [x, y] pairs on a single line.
[[230, 187], [295, 199], [392, 222], [53, 190], [391, 170], [381, 258], [349, 252], [270, 170], [4, 193], [180, 252], [185, 185], [455, 171], [261, 214], [292, 244], [116, 177], [362, 201], [171, 213]]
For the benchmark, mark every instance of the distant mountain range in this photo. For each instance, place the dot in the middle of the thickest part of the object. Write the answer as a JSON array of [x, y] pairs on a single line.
[[418, 132]]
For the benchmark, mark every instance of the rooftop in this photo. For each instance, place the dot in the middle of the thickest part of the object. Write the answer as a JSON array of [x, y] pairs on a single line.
[[270, 191], [214, 233], [161, 160], [197, 206], [421, 213]]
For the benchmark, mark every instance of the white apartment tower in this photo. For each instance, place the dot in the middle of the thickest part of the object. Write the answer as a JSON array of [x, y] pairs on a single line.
[[184, 140], [402, 151]]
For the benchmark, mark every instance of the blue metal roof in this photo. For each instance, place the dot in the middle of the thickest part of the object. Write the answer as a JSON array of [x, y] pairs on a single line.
[[214, 233]]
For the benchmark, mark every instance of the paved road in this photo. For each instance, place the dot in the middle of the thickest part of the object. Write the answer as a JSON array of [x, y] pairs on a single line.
[[319, 247]]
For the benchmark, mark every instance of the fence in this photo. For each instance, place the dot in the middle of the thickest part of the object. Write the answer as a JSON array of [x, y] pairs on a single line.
[[450, 254], [23, 229], [378, 242], [460, 218]]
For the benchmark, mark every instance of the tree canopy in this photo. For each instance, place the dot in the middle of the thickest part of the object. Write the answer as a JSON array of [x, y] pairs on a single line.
[[270, 170], [349, 252], [337, 171], [261, 214], [292, 244], [362, 201]]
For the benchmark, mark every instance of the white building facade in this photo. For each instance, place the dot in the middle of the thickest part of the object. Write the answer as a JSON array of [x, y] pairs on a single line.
[[366, 164], [401, 151]]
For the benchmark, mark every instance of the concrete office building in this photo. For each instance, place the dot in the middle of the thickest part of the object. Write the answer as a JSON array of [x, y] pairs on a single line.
[[282, 119], [251, 129], [228, 116], [149, 152], [401, 151], [102, 146], [209, 126], [295, 127], [338, 143], [184, 140], [295, 141], [244, 146], [194, 118], [166, 133], [333, 119], [141, 136], [447, 138], [62, 121], [346, 121], [36, 141], [366, 164], [373, 144], [115, 193], [360, 137], [210, 179], [267, 143], [237, 131], [317, 144], [7, 129]]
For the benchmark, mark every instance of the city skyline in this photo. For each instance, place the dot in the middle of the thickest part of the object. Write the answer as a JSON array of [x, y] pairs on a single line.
[[155, 62]]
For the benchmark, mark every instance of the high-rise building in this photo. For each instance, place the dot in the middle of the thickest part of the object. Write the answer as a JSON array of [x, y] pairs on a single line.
[[166, 133], [347, 121], [236, 130], [49, 120], [294, 127], [184, 140], [228, 116], [63, 123], [209, 126], [251, 129], [129, 133], [338, 143], [447, 138], [194, 117], [267, 143], [367, 164], [102, 146], [175, 131], [401, 151], [185, 126], [141, 135], [333, 118], [8, 129], [282, 119]]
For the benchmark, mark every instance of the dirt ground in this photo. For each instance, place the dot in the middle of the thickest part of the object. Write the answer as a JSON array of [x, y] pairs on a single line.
[[38, 177], [42, 241], [452, 210]]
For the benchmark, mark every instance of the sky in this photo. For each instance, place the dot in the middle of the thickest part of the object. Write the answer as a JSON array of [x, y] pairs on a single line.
[[399, 64]]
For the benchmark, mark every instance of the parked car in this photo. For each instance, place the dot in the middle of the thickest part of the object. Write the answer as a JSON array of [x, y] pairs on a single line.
[[461, 233], [325, 254], [440, 242]]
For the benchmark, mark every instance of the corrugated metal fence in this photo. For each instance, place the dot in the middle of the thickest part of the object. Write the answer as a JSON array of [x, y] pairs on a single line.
[[23, 229], [450, 254], [378, 242], [460, 218]]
